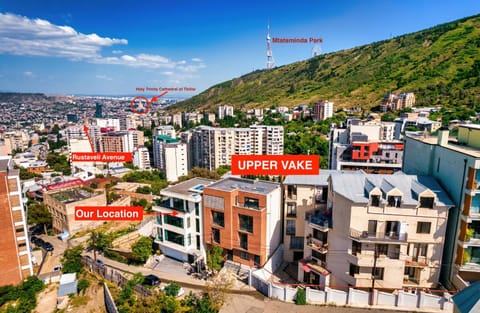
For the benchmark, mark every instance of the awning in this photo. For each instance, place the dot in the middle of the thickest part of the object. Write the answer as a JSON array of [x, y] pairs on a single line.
[[305, 268]]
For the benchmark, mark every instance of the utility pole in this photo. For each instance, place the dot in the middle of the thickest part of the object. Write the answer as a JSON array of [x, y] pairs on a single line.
[[375, 256]]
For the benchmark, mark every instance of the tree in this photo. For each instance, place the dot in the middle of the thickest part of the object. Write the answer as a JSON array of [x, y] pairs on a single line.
[[142, 249], [146, 190], [218, 288], [72, 260], [172, 289], [83, 284], [215, 258], [25, 174], [99, 241], [38, 214]]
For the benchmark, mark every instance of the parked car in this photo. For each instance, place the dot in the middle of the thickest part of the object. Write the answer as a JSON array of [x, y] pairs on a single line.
[[34, 239], [100, 263], [151, 280], [57, 268], [48, 246], [39, 242]]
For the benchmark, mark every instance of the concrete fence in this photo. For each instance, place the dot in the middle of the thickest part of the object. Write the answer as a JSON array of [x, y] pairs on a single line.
[[418, 301]]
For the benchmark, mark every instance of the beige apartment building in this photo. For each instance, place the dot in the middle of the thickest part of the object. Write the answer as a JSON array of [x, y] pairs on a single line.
[[61, 205], [386, 230]]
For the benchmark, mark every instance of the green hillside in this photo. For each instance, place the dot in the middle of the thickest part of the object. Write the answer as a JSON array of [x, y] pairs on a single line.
[[440, 64]]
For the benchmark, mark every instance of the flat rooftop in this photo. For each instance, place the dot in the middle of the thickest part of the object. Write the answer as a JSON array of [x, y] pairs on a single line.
[[309, 180], [73, 195], [452, 144], [249, 185], [189, 187]]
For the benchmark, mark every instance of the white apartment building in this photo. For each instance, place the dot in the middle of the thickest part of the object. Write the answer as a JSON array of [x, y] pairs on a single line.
[[211, 147], [180, 235], [170, 156], [141, 158], [385, 230], [224, 110], [322, 110], [109, 122], [166, 130]]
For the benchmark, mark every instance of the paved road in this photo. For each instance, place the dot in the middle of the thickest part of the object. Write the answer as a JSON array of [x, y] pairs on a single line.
[[53, 258]]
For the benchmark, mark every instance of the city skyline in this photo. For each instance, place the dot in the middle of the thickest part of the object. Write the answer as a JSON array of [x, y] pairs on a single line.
[[115, 48]]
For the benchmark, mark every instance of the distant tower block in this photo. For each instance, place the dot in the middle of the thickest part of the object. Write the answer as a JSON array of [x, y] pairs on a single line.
[[270, 61], [316, 50]]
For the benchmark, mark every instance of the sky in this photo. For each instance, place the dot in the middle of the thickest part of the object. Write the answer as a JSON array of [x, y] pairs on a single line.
[[107, 47]]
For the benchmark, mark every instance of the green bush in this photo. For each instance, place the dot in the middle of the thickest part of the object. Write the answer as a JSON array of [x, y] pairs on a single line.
[[301, 298], [172, 290]]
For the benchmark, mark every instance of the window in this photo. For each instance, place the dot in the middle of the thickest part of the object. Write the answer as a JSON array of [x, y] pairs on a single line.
[[256, 259], [216, 235], [189, 239], [173, 220], [375, 200], [423, 227], [19, 230], [291, 209], [197, 209], [188, 221], [372, 228], [218, 218], [392, 229], [319, 256], [251, 203], [197, 225], [178, 204], [426, 202], [382, 249], [394, 201], [246, 222], [160, 234], [354, 269], [356, 247], [243, 240], [159, 219], [198, 242], [290, 227], [419, 249], [244, 255], [292, 192], [320, 235], [378, 273], [174, 237], [296, 243]]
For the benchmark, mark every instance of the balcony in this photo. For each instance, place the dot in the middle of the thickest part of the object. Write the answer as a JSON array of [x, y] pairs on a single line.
[[320, 221], [416, 261], [317, 245], [379, 237]]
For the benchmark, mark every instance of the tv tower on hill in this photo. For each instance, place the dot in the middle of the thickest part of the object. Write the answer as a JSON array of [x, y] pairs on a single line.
[[270, 61]]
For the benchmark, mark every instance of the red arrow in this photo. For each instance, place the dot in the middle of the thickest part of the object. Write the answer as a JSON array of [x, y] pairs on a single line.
[[155, 99], [85, 129], [173, 213]]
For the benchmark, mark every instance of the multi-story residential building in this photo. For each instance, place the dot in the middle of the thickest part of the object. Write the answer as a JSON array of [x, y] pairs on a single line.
[[224, 110], [386, 231], [244, 218], [394, 101], [61, 204], [166, 130], [303, 197], [371, 147], [455, 162], [180, 235], [171, 156], [141, 158], [177, 119], [322, 110], [14, 244], [419, 121], [121, 141], [211, 147], [16, 140]]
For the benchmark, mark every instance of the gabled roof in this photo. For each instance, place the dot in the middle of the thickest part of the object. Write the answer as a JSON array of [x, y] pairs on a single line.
[[468, 300]]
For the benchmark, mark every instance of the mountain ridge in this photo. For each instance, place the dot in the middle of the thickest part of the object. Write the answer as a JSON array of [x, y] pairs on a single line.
[[440, 64]]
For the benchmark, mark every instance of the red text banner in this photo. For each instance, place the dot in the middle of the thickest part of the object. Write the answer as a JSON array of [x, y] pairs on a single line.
[[275, 164], [108, 213], [101, 157]]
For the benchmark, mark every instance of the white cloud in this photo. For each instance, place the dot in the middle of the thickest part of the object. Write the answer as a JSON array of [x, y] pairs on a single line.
[[168, 73], [105, 77], [36, 37], [28, 74]]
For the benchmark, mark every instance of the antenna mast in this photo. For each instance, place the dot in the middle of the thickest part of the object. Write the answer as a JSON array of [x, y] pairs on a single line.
[[270, 61]]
